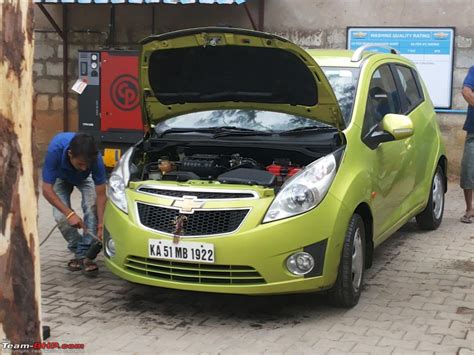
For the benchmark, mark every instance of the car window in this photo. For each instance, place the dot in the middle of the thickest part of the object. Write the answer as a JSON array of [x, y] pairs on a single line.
[[343, 82], [265, 121], [382, 98], [409, 87]]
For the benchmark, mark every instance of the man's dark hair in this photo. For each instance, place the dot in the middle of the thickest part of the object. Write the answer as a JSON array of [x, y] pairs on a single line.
[[83, 146]]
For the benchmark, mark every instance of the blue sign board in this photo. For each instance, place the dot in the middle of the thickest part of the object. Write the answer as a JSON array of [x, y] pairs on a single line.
[[431, 49]]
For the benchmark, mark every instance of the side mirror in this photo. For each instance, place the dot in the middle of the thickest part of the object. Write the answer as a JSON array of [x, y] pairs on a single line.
[[399, 126], [394, 127]]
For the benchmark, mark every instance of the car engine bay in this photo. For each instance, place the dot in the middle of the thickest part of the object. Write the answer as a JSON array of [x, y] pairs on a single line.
[[249, 165]]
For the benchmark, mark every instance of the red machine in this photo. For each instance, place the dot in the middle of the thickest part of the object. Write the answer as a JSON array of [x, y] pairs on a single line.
[[109, 107]]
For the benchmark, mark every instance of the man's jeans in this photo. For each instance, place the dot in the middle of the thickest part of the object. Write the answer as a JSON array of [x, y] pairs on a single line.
[[78, 243]]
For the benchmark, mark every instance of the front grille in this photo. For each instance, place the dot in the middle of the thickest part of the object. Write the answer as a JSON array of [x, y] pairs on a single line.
[[202, 195], [209, 222], [193, 272]]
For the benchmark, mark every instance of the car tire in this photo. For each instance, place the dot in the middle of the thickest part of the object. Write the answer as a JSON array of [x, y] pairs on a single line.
[[430, 218], [346, 292]]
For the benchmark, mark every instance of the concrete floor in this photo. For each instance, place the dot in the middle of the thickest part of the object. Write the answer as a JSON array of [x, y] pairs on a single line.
[[418, 299]]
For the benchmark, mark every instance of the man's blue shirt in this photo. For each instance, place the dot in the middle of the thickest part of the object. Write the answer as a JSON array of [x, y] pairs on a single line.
[[469, 82], [58, 166]]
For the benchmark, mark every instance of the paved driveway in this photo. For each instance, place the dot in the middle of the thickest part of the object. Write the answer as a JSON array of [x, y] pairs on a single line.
[[418, 298]]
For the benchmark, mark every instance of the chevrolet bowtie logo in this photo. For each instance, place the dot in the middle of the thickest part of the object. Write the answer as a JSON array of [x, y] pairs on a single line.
[[188, 204]]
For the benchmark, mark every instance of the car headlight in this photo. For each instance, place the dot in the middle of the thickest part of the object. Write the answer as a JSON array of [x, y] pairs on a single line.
[[118, 181], [304, 191]]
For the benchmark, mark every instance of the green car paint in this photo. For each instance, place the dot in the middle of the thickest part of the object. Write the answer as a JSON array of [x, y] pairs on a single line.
[[386, 185]]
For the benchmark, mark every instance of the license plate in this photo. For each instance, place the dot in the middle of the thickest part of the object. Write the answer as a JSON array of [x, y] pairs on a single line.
[[182, 251]]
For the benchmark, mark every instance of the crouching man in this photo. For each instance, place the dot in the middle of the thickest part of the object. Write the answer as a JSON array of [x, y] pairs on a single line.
[[72, 161]]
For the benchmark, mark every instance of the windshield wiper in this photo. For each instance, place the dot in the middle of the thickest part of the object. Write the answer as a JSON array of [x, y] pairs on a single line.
[[186, 130], [307, 129], [217, 131], [237, 131]]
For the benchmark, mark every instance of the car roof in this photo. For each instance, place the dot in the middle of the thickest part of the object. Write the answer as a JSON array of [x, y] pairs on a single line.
[[342, 58]]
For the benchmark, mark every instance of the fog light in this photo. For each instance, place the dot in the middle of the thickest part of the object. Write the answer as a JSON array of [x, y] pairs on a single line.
[[110, 247], [300, 263]]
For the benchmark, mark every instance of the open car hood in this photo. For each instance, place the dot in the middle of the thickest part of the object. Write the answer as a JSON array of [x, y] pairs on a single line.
[[225, 68]]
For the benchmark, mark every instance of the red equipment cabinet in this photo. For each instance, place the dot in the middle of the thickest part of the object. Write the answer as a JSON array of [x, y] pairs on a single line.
[[109, 108]]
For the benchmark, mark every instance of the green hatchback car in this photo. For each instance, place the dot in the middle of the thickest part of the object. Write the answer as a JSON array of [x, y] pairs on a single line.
[[270, 169]]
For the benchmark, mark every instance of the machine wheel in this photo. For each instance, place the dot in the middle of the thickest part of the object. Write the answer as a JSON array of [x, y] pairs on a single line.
[[430, 218], [346, 292]]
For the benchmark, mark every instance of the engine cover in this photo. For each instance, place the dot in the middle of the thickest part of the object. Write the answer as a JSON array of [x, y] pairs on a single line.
[[205, 165]]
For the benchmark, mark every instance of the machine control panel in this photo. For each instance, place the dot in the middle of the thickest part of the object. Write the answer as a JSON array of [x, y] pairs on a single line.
[[89, 67]]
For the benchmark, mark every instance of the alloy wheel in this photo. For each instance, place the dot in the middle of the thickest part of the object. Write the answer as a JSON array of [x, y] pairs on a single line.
[[438, 192], [357, 260]]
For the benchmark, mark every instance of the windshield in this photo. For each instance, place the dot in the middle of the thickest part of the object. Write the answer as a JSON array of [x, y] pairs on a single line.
[[343, 81], [264, 121]]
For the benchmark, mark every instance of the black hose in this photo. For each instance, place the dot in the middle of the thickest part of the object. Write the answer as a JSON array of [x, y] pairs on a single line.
[[56, 226], [49, 234]]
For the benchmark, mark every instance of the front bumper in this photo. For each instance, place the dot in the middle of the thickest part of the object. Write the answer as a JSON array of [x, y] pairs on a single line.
[[254, 250]]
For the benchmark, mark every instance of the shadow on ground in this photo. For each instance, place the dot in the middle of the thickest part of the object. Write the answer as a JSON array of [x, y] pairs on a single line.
[[155, 304]]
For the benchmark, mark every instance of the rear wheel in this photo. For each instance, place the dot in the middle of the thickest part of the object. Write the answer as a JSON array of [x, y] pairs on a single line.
[[430, 218], [346, 292]]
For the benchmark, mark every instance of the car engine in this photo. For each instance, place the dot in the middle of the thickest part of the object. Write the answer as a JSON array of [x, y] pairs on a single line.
[[183, 164]]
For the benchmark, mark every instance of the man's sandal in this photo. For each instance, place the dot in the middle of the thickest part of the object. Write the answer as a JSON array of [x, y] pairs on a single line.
[[467, 218], [89, 268], [74, 265]]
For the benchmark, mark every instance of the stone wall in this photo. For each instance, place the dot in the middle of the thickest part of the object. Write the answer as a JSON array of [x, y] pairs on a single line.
[[47, 75], [313, 24]]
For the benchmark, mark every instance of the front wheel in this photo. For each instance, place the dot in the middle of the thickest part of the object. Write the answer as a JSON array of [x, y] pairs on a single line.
[[430, 218], [346, 292]]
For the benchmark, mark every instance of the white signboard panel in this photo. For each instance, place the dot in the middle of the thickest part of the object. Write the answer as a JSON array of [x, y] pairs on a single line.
[[431, 49]]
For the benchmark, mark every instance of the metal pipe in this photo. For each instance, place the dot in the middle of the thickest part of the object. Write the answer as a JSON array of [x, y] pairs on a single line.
[[153, 19], [114, 28], [111, 38], [254, 26], [261, 15], [43, 30], [51, 20], [65, 69], [88, 31]]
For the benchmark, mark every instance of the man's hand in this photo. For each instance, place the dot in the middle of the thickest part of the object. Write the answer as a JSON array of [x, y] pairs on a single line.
[[100, 229], [76, 222]]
